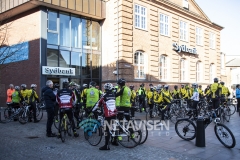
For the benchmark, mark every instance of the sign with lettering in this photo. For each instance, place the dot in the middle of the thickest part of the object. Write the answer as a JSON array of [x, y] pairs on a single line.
[[184, 48], [46, 70]]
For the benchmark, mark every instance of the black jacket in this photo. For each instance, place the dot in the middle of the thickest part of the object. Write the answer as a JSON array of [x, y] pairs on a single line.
[[49, 97]]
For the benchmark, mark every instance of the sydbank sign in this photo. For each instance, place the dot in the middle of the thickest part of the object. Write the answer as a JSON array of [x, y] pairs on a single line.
[[184, 48], [46, 70]]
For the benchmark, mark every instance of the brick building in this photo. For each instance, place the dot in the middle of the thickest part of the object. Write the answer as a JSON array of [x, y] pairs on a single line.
[[150, 41]]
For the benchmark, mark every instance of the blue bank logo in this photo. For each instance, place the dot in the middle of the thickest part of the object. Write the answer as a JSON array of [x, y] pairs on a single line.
[[90, 126]]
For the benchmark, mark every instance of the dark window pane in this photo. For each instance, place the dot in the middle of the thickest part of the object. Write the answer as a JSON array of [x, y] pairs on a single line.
[[64, 30], [75, 62], [96, 63], [86, 33], [86, 63], [52, 38], [75, 31], [64, 59], [52, 58], [52, 21]]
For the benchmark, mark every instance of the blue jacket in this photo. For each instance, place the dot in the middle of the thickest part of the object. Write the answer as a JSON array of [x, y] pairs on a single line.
[[237, 93]]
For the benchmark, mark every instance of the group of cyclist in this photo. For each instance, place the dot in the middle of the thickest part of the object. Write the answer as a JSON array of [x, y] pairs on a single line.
[[112, 99], [17, 96]]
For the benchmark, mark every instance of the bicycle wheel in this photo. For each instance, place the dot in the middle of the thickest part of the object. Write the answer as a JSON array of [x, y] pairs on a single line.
[[23, 116], [39, 113], [7, 114], [56, 121], [227, 114], [231, 109], [155, 118], [185, 129], [130, 139], [224, 135], [141, 125], [63, 129], [93, 134]]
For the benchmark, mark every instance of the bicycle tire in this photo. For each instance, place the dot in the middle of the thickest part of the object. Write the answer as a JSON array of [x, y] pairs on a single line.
[[6, 115], [185, 129], [63, 130], [93, 135], [143, 127], [225, 134], [39, 113], [23, 117], [130, 141], [232, 109], [156, 117], [56, 121]]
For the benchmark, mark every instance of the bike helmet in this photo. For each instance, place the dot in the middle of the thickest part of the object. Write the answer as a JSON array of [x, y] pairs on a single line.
[[56, 85], [215, 79], [166, 86], [72, 84], [92, 84], [121, 82], [17, 88], [131, 86], [65, 84], [222, 83], [200, 86], [11, 85], [85, 85], [150, 84], [108, 86], [33, 85], [175, 87], [24, 86], [194, 85]]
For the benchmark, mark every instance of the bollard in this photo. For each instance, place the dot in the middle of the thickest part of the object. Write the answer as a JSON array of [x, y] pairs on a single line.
[[200, 133]]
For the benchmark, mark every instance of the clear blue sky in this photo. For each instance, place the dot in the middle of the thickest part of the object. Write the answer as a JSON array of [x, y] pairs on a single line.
[[226, 13]]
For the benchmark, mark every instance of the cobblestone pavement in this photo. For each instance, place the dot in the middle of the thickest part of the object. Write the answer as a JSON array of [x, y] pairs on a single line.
[[30, 142]]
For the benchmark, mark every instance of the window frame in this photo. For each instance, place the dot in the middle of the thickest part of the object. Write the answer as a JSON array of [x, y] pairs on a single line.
[[139, 65], [164, 24], [199, 36], [163, 70], [184, 30], [140, 17]]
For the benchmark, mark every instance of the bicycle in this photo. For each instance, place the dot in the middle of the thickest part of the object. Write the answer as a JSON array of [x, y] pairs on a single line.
[[128, 137], [186, 129], [25, 114], [11, 114]]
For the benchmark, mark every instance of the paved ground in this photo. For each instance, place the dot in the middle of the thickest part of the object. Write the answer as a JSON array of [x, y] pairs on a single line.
[[29, 142]]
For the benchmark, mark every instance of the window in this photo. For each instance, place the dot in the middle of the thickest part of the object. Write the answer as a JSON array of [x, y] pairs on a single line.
[[185, 4], [64, 30], [52, 36], [183, 68], [140, 17], [139, 65], [164, 29], [183, 31], [75, 31], [199, 71], [163, 68], [212, 40], [211, 73], [199, 36]]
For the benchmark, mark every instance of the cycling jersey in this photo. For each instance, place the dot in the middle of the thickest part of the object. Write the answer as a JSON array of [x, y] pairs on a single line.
[[9, 94], [125, 94], [188, 94], [65, 98], [182, 92], [176, 94], [24, 93], [215, 90], [150, 97], [16, 97], [225, 92], [92, 97], [117, 98], [32, 95]]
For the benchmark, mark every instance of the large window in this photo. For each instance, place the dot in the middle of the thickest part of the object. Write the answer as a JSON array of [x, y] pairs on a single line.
[[164, 28], [163, 68], [76, 31], [199, 36], [212, 40], [64, 30], [183, 70], [52, 28], [183, 31], [199, 72], [139, 65], [140, 17], [211, 72]]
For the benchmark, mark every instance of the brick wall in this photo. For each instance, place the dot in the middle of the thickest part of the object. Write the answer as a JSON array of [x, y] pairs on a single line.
[[24, 27]]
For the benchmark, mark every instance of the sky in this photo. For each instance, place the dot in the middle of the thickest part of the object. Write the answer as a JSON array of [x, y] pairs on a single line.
[[225, 13]]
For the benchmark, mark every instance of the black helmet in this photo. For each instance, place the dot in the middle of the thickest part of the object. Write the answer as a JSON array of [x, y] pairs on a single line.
[[65, 84], [92, 84], [131, 86], [200, 86], [150, 84], [175, 86], [121, 82], [215, 79], [56, 85], [222, 83]]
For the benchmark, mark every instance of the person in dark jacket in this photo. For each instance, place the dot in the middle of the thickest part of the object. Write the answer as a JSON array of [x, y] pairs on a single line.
[[50, 101]]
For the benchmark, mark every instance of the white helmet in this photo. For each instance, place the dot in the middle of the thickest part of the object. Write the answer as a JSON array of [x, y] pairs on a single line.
[[108, 86], [17, 88], [33, 85]]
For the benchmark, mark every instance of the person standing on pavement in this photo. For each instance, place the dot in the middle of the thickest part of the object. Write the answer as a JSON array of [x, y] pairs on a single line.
[[238, 97], [32, 98], [215, 92], [195, 98], [142, 96], [50, 101], [10, 92]]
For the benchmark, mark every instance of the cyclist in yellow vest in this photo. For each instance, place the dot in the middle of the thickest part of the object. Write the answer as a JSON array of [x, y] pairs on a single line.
[[133, 97], [84, 95], [188, 95], [215, 92], [150, 99], [142, 96], [225, 92], [115, 90], [176, 92], [182, 91], [24, 92], [32, 99], [92, 97], [200, 91]]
